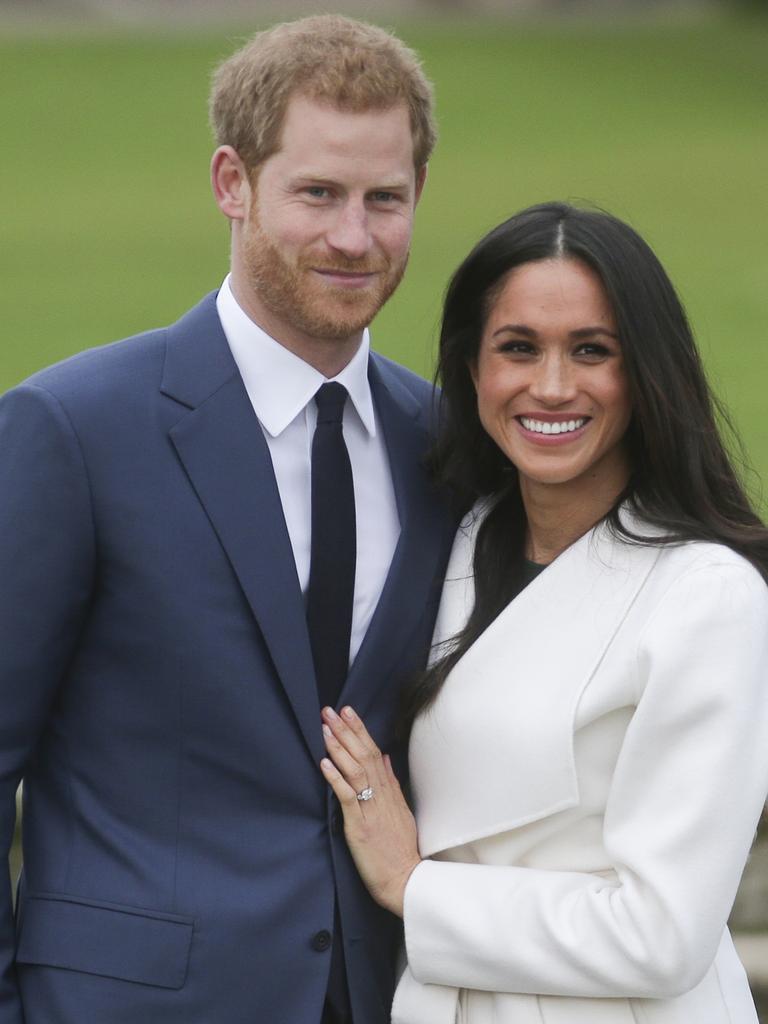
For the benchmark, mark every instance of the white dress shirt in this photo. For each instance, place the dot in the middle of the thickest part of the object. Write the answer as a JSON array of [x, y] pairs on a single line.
[[281, 387]]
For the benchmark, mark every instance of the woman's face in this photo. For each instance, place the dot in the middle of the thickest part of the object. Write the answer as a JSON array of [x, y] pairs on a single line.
[[551, 386]]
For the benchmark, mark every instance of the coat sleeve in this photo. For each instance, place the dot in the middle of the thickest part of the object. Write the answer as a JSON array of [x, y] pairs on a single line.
[[686, 795], [46, 564]]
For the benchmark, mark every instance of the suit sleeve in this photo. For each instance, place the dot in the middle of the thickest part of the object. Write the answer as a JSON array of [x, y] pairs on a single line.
[[684, 802], [46, 565]]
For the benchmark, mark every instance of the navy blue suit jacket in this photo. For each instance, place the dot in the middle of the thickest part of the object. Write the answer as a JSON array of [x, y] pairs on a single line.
[[157, 695]]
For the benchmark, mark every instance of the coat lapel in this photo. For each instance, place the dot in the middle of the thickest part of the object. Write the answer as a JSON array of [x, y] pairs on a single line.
[[426, 529], [224, 452], [512, 699]]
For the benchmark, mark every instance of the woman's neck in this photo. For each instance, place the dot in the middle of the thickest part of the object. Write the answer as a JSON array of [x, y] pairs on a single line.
[[558, 514]]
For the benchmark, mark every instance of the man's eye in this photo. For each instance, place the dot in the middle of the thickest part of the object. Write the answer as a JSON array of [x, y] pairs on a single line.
[[383, 197], [317, 191]]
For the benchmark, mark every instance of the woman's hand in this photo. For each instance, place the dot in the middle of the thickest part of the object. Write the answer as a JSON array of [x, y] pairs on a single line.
[[378, 824]]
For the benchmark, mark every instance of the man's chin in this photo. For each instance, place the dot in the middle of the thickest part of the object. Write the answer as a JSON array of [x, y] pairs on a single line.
[[341, 319], [336, 329]]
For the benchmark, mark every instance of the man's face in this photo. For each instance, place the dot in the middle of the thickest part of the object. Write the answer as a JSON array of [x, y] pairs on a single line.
[[326, 236]]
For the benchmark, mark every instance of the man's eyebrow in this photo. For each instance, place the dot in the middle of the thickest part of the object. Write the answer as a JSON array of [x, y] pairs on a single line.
[[392, 186], [308, 178]]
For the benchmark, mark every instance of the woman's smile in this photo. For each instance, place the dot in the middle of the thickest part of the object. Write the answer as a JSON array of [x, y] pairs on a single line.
[[546, 430]]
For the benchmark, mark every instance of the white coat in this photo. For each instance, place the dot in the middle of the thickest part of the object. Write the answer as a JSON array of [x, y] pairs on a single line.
[[587, 787]]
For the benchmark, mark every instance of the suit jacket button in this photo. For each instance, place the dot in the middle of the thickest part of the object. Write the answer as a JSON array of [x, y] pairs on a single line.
[[322, 941], [337, 823]]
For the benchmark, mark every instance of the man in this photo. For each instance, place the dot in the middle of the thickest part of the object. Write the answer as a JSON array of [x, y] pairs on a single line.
[[200, 534]]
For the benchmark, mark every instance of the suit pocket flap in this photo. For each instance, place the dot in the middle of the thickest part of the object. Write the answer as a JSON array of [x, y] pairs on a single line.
[[99, 938]]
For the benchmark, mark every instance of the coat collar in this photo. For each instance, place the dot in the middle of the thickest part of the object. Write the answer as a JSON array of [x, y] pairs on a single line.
[[528, 668], [222, 447]]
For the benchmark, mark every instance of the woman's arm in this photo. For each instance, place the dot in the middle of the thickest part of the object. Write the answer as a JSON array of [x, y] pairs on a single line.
[[685, 797]]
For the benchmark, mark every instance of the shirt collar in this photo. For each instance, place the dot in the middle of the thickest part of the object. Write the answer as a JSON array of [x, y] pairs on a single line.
[[279, 383]]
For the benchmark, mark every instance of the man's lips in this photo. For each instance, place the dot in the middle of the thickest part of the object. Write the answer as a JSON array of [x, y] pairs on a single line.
[[346, 278]]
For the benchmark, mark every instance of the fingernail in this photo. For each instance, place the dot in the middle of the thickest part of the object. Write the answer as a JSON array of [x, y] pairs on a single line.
[[327, 730], [325, 763], [330, 713], [348, 713]]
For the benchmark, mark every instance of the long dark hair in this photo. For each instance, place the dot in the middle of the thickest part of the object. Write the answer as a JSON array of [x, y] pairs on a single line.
[[682, 480]]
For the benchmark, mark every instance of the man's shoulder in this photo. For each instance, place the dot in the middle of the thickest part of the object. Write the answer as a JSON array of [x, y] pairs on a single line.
[[96, 366], [122, 366]]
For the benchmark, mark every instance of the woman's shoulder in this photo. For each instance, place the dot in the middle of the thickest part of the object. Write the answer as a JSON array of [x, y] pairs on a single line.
[[690, 558], [706, 562]]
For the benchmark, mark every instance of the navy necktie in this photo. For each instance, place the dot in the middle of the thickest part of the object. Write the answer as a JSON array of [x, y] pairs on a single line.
[[333, 547]]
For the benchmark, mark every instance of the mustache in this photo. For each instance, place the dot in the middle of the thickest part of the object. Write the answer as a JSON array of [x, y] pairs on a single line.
[[344, 265]]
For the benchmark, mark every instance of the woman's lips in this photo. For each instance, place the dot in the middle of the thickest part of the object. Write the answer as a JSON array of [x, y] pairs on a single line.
[[552, 430]]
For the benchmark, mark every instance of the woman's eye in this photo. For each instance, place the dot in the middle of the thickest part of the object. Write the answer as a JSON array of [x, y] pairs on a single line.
[[516, 348], [593, 351]]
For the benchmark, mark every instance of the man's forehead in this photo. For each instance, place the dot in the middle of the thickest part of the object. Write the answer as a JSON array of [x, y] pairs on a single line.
[[316, 135], [302, 105]]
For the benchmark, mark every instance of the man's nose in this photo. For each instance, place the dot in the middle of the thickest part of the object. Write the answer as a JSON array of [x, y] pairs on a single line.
[[350, 233], [553, 381]]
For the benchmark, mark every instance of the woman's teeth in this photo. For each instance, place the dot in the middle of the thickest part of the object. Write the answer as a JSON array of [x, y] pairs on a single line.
[[563, 427]]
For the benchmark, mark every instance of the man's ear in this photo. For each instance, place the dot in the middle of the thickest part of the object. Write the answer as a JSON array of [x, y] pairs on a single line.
[[231, 187], [421, 177]]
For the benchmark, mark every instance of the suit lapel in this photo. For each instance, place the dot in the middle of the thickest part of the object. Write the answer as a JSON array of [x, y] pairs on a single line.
[[224, 452], [426, 528]]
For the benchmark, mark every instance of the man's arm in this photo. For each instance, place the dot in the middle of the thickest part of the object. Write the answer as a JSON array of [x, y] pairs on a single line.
[[46, 569]]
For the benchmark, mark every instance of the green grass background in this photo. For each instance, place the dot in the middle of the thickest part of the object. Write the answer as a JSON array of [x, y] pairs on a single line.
[[107, 225]]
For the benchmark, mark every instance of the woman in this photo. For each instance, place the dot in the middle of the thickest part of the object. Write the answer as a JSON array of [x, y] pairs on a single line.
[[589, 755]]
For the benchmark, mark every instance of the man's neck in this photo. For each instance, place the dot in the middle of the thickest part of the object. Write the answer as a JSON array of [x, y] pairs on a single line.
[[328, 356]]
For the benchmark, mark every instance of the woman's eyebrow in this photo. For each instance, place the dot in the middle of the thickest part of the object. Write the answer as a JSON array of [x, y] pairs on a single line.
[[578, 333], [590, 332], [527, 332]]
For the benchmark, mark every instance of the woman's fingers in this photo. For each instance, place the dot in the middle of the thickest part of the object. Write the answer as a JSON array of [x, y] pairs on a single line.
[[350, 729], [345, 794], [351, 769], [351, 734]]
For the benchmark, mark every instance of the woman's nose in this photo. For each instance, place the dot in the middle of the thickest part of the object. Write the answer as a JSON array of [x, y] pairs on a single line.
[[553, 381]]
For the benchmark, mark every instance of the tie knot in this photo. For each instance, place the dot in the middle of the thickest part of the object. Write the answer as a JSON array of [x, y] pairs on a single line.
[[330, 401]]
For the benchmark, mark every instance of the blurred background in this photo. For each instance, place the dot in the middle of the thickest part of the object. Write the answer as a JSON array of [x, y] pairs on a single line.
[[657, 111]]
